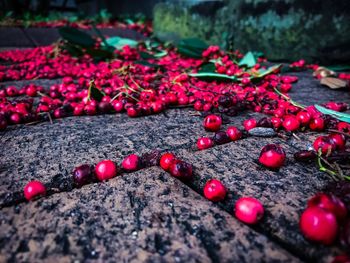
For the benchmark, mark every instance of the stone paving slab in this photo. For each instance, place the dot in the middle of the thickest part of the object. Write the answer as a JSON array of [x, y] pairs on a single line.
[[14, 37], [146, 216]]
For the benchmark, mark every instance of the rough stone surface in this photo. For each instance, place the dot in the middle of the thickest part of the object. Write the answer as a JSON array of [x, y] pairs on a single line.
[[14, 37], [311, 29], [99, 220], [142, 217]]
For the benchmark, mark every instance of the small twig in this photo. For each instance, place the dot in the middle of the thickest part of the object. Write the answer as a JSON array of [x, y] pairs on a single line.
[[49, 115]]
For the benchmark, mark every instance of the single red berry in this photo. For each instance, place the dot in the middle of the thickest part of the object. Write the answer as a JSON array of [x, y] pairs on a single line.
[[249, 124], [3, 123], [204, 143], [31, 91], [105, 170], [82, 175], [34, 189], [291, 123], [324, 144], [181, 170], [212, 122], [214, 190], [234, 133], [249, 210], [272, 156], [317, 124], [131, 162], [166, 160], [304, 117], [343, 127], [305, 156], [330, 203], [319, 225], [132, 112], [339, 140], [276, 122]]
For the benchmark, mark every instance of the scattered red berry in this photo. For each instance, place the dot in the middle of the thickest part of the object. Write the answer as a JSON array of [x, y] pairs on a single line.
[[291, 123], [204, 143], [82, 175], [34, 189], [249, 124], [272, 156], [166, 160], [214, 190], [212, 122], [131, 163], [105, 170], [249, 210], [233, 133], [181, 170]]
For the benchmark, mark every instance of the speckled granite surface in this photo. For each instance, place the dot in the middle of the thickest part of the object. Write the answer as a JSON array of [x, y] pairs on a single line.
[[172, 222]]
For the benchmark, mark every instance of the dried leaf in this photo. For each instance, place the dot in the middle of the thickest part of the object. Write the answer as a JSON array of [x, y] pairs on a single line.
[[334, 83], [323, 72]]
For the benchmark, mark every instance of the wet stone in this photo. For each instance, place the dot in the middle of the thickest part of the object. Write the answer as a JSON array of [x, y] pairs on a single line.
[[146, 216]]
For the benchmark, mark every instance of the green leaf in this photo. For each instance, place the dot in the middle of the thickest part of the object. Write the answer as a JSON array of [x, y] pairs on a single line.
[[146, 55], [77, 37], [95, 93], [335, 114], [265, 72], [339, 67], [248, 60], [192, 47], [99, 54], [213, 76], [207, 67], [119, 42]]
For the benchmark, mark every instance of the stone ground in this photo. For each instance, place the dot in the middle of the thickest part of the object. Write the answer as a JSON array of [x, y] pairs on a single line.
[[148, 216]]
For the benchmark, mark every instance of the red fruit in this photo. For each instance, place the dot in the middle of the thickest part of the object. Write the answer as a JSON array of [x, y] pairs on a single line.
[[343, 127], [214, 190], [131, 162], [319, 225], [212, 122], [3, 123], [105, 170], [317, 124], [324, 144], [249, 124], [276, 122], [234, 133], [249, 210], [118, 106], [34, 189], [272, 156], [291, 123], [31, 91], [304, 117], [15, 118], [82, 175], [181, 170], [166, 160], [330, 203], [339, 140], [204, 143], [132, 112]]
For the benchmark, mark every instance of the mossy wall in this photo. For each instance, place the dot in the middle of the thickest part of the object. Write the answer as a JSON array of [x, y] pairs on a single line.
[[282, 29]]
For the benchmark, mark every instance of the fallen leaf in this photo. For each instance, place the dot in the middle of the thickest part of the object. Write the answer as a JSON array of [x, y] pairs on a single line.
[[333, 83]]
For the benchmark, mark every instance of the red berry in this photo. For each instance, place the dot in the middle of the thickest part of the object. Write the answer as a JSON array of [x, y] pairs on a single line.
[[304, 117], [249, 210], [204, 143], [34, 189], [31, 91], [339, 140], [181, 170], [272, 156], [291, 123], [276, 122], [330, 203], [214, 190], [166, 160], [105, 170], [319, 225], [131, 162], [324, 144], [249, 124], [3, 123], [132, 112], [305, 156], [234, 133], [212, 122], [82, 175], [317, 124], [343, 127]]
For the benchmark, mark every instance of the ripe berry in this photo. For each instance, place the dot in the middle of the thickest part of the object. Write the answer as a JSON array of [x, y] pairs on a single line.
[[324, 144], [214, 190], [249, 210], [221, 137], [330, 203], [339, 140], [34, 189], [249, 124], [291, 123], [319, 225], [212, 122], [15, 118], [304, 117], [3, 123], [166, 160], [31, 91], [317, 124], [131, 163], [82, 175], [105, 170], [276, 122], [272, 156], [181, 170], [204, 143], [233, 133], [305, 156]]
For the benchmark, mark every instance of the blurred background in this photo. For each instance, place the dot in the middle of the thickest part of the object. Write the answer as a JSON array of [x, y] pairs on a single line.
[[282, 29]]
